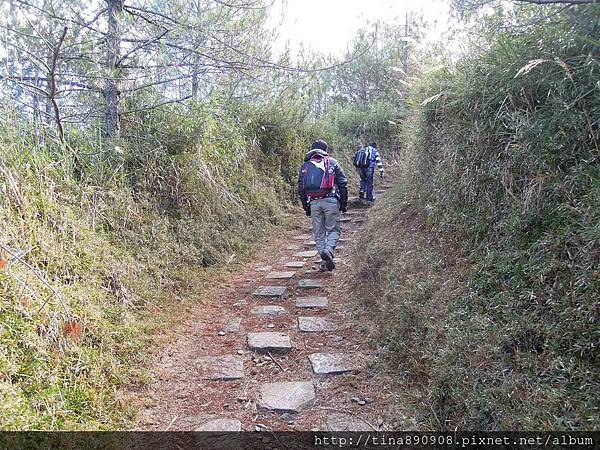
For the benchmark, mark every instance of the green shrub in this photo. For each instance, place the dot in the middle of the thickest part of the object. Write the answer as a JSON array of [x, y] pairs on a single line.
[[122, 231], [502, 154]]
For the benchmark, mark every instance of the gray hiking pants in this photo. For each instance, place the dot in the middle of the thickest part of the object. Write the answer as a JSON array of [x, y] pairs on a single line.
[[325, 215]]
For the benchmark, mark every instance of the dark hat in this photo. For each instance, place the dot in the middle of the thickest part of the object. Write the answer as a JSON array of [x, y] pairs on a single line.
[[319, 144]]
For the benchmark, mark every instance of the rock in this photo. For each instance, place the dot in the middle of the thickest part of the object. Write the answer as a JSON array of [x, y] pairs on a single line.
[[306, 254], [240, 352], [311, 302], [221, 333], [309, 283], [302, 237], [332, 363], [268, 310], [287, 396], [295, 264], [270, 291], [269, 341], [280, 275], [223, 424], [369, 400], [362, 403], [355, 399], [233, 325], [226, 367], [346, 422], [270, 326], [293, 247], [263, 268], [346, 219], [315, 324]]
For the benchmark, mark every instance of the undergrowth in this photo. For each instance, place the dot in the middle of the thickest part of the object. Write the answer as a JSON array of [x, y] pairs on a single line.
[[104, 242], [500, 157]]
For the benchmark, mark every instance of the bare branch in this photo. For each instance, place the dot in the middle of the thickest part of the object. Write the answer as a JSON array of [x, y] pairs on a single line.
[[147, 108], [550, 2]]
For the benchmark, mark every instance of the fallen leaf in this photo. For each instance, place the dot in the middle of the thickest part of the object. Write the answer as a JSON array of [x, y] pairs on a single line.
[[72, 329]]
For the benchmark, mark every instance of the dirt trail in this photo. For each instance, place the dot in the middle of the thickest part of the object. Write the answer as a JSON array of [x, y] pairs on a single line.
[[209, 378]]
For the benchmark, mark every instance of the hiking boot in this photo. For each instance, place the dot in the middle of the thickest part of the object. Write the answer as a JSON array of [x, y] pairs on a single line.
[[327, 257], [361, 195]]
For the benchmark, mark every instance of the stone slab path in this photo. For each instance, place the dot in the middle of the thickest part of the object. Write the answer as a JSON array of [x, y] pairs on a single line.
[[276, 350]]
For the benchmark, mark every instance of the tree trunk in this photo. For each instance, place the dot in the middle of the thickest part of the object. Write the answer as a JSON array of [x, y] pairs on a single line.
[[113, 52], [405, 57]]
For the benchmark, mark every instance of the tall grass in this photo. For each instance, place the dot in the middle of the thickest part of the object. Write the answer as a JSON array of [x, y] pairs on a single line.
[[501, 155], [104, 239]]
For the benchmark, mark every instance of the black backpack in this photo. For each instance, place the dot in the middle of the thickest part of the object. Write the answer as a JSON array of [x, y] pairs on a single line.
[[362, 158]]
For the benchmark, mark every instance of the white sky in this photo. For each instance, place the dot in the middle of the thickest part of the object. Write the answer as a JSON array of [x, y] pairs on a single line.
[[328, 26]]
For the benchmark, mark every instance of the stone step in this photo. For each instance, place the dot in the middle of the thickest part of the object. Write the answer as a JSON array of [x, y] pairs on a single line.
[[287, 396], [234, 324], [335, 363], [225, 367], [302, 237], [269, 291], [346, 422], [311, 302], [309, 243], [269, 341], [315, 324], [306, 254], [346, 219], [310, 283], [295, 264], [268, 310], [222, 424], [293, 247], [280, 275]]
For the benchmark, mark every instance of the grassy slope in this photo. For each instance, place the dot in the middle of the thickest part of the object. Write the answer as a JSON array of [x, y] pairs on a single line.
[[128, 234], [502, 160]]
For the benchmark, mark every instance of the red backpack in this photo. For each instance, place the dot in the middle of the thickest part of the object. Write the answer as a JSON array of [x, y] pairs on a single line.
[[318, 176]]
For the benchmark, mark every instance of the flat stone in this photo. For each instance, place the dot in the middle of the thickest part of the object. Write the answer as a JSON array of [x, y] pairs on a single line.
[[263, 268], [302, 237], [306, 254], [310, 243], [287, 396], [270, 291], [310, 283], [273, 341], [295, 264], [233, 325], [268, 310], [346, 422], [315, 324], [223, 424], [226, 367], [280, 275], [311, 302], [332, 363], [293, 247], [346, 219]]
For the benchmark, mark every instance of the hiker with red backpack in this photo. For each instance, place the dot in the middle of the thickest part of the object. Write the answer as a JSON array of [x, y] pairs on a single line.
[[323, 193], [365, 160]]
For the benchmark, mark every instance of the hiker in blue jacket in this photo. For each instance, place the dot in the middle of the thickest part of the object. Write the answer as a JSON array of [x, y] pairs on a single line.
[[323, 193], [366, 170]]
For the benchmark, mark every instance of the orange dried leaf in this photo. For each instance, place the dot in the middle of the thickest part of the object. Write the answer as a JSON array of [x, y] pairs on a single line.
[[2, 263], [72, 329]]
